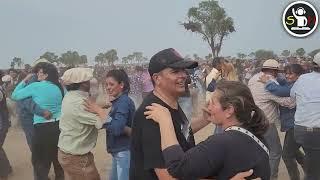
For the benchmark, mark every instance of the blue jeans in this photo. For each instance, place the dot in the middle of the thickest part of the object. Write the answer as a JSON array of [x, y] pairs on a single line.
[[120, 165], [274, 146], [309, 140]]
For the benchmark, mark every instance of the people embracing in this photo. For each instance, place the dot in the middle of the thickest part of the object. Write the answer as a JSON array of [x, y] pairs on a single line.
[[167, 70], [46, 131], [233, 108], [291, 153], [269, 104]]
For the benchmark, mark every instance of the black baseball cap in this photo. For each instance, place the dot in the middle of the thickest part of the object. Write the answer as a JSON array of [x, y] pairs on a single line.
[[169, 58]]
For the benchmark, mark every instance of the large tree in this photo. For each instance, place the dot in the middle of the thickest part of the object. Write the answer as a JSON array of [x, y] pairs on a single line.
[[300, 52], [50, 56], [211, 21]]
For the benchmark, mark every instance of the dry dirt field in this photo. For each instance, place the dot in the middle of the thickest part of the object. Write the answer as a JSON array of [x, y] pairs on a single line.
[[19, 155], [20, 158]]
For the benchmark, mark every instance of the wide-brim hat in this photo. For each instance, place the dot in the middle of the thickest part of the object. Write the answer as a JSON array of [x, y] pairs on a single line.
[[271, 64]]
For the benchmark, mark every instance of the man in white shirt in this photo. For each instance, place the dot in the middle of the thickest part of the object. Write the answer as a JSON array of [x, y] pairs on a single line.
[[306, 91]]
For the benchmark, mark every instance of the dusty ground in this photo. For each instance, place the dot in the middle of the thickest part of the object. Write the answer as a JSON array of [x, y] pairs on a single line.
[[19, 155]]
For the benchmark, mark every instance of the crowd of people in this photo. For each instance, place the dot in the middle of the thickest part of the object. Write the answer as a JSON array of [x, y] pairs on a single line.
[[151, 113]]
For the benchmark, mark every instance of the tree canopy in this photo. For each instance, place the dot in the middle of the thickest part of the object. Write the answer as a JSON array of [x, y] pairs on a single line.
[[241, 55], [111, 56], [72, 58], [211, 21], [16, 61], [50, 56], [300, 52], [285, 53], [265, 54]]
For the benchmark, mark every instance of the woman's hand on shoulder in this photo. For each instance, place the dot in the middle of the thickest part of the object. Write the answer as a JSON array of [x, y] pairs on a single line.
[[157, 113]]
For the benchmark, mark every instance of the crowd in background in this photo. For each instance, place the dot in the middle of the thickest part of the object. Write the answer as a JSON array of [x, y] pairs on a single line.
[[48, 102]]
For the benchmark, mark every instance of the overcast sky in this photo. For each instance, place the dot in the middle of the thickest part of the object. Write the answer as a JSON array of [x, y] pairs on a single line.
[[31, 27]]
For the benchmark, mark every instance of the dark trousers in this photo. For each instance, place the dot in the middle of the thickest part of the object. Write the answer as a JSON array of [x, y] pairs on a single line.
[[27, 126], [5, 167], [291, 154], [45, 150], [309, 138]]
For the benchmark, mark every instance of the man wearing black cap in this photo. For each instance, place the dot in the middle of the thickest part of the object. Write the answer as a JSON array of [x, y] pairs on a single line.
[[167, 70]]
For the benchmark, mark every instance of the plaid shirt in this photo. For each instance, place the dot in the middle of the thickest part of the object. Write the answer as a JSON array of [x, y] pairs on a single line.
[[266, 101]]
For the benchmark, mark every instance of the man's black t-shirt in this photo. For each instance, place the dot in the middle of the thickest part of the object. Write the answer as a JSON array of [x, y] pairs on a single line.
[[146, 154]]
